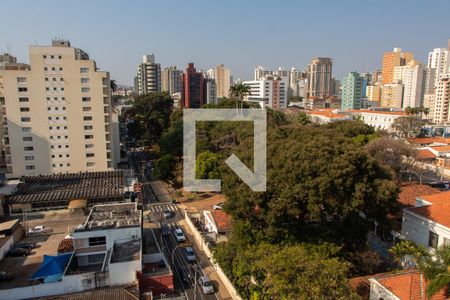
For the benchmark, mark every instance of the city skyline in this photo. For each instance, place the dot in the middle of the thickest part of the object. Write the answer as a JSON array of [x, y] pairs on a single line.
[[178, 33]]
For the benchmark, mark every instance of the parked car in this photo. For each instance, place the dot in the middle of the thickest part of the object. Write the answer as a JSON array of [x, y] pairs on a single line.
[[165, 230], [40, 229], [218, 206], [5, 276], [190, 255], [179, 235], [167, 214], [25, 245], [14, 252], [206, 285]]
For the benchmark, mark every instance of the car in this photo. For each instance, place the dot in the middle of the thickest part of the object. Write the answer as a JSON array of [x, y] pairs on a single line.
[[206, 285], [165, 230], [218, 206], [14, 252], [5, 276], [25, 245], [179, 235], [40, 229], [167, 214], [190, 255]]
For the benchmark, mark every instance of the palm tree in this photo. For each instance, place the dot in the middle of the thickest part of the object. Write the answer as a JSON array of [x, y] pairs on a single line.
[[408, 254], [239, 91], [113, 85], [437, 270]]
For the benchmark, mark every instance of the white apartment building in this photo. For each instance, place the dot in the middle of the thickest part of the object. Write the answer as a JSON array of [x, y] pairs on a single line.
[[57, 113], [269, 92], [439, 102], [379, 119], [439, 59], [417, 81], [260, 72], [148, 76]]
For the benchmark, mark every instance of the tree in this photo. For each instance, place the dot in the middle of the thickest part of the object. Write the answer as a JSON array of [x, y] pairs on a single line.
[[397, 155], [239, 91], [113, 85], [408, 254], [163, 167], [409, 125], [207, 165], [437, 271]]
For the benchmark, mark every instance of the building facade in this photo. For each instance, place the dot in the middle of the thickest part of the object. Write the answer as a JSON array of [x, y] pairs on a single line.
[[439, 59], [392, 95], [439, 102], [148, 76], [353, 91], [373, 93], [396, 58], [193, 88], [210, 91], [319, 73], [172, 80], [269, 92], [57, 113], [222, 76]]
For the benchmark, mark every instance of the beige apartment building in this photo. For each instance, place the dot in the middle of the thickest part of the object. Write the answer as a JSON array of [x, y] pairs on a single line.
[[57, 114], [319, 77], [391, 95], [222, 77], [396, 58], [439, 102], [373, 93]]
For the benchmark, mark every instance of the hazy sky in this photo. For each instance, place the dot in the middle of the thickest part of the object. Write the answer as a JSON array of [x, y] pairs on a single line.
[[241, 34]]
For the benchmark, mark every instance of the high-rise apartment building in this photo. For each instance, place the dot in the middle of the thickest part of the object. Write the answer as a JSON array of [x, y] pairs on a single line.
[[396, 58], [210, 90], [193, 88], [261, 72], [270, 91], [391, 95], [148, 76], [415, 78], [439, 59], [222, 77], [373, 93], [319, 77], [439, 102], [353, 91], [56, 113], [172, 80]]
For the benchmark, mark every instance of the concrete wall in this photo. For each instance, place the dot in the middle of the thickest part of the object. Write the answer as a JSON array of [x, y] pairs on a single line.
[[111, 235], [377, 291], [6, 246], [69, 284], [202, 245], [124, 272]]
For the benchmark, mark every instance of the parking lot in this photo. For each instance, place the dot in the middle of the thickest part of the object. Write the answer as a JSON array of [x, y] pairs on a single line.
[[22, 268]]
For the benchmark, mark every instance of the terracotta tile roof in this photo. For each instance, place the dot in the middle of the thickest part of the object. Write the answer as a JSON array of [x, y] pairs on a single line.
[[368, 111], [409, 193], [124, 292], [328, 114], [441, 148], [438, 211], [425, 154], [222, 219], [409, 286], [429, 140], [65, 246], [361, 286]]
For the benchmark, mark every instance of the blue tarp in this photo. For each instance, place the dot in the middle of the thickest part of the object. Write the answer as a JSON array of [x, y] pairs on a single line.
[[52, 267]]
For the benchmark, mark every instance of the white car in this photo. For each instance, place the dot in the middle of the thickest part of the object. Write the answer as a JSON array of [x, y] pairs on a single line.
[[40, 229], [206, 285], [179, 235], [190, 255]]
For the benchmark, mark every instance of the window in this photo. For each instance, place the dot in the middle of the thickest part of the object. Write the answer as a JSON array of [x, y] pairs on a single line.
[[59, 56], [84, 70], [85, 90], [52, 56], [88, 127], [54, 78], [86, 99], [45, 56], [90, 155], [61, 79], [88, 136], [26, 129], [95, 259], [88, 118], [21, 79], [23, 99], [45, 68], [24, 109], [29, 157], [87, 109], [28, 148], [433, 239], [30, 167], [25, 119], [27, 139], [96, 241], [88, 146], [61, 69], [23, 89], [84, 80], [90, 164]]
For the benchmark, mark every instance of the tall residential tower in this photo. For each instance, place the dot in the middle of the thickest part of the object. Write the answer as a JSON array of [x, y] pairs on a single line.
[[319, 77], [148, 76]]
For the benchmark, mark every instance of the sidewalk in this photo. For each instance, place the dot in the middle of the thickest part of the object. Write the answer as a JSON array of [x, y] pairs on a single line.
[[221, 291]]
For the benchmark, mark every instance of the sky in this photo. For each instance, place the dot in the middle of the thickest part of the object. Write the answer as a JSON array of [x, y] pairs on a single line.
[[242, 34]]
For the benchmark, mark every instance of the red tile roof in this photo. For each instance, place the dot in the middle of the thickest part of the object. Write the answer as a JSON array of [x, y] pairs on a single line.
[[65, 246], [429, 140], [328, 114], [409, 193], [436, 198], [438, 211], [425, 154], [222, 220], [368, 111], [441, 148], [409, 286]]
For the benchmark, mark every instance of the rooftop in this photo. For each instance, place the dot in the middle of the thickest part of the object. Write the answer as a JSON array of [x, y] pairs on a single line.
[[126, 251], [438, 211], [222, 220], [124, 292], [409, 193], [381, 112], [441, 148], [429, 140], [108, 216], [425, 154]]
